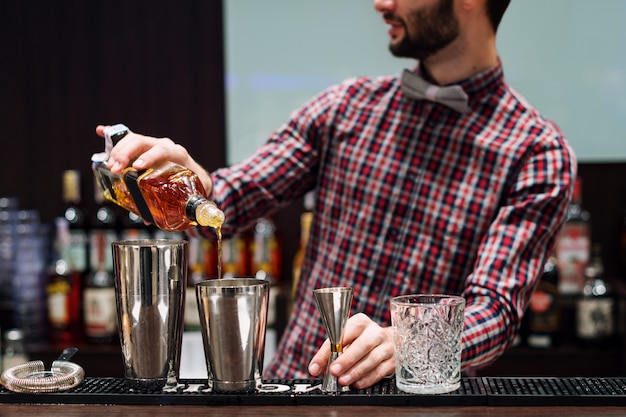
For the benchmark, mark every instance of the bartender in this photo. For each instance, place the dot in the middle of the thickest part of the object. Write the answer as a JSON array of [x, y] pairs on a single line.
[[441, 179]]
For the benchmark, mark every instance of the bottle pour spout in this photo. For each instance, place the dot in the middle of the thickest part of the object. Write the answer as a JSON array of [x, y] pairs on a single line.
[[208, 214]]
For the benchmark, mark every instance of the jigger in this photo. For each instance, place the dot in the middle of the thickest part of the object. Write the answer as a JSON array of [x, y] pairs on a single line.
[[334, 306]]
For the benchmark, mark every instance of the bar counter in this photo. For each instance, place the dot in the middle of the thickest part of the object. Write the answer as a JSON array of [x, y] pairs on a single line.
[[49, 410]]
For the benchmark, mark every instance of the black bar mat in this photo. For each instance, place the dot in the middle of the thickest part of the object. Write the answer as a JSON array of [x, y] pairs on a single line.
[[525, 391], [274, 392], [556, 391]]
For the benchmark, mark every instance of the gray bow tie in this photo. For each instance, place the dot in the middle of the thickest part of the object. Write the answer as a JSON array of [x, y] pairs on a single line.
[[416, 87]]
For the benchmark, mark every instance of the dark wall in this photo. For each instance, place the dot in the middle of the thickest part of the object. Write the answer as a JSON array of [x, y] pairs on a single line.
[[68, 65], [604, 196]]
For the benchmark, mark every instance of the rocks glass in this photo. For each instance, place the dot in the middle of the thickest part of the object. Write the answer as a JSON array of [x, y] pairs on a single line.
[[427, 335]]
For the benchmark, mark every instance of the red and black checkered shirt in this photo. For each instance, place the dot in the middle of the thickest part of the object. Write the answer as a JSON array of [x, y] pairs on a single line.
[[412, 197]]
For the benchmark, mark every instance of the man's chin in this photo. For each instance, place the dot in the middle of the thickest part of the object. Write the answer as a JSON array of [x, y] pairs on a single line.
[[398, 52]]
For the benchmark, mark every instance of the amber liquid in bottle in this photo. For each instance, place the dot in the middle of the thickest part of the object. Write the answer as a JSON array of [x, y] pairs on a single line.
[[165, 187], [63, 292], [168, 195]]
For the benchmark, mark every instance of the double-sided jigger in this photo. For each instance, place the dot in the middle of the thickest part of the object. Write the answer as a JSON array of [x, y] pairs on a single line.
[[334, 306]]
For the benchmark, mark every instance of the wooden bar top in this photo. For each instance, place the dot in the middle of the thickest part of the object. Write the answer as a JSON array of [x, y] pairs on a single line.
[[54, 410]]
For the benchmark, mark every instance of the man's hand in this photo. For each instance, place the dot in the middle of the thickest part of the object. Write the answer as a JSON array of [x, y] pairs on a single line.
[[368, 354], [146, 151]]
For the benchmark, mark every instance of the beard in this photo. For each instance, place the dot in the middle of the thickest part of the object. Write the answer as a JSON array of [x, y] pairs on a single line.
[[427, 31]]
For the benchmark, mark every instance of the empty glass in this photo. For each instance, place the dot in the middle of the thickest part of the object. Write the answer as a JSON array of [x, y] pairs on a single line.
[[427, 335]]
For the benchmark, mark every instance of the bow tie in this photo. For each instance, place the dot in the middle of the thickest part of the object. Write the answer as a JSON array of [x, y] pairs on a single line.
[[416, 87]]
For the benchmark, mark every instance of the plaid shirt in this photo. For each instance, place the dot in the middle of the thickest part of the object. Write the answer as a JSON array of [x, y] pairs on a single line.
[[412, 197]]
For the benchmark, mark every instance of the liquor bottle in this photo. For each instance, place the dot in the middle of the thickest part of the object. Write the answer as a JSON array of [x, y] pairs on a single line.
[[543, 313], [14, 350], [595, 309], [99, 301], [235, 259], [63, 292], [99, 304], [29, 279], [306, 218], [75, 216], [573, 245], [266, 251], [106, 215], [168, 195], [266, 259]]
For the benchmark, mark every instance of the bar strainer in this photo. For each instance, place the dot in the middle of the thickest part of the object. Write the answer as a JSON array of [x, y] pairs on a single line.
[[32, 377]]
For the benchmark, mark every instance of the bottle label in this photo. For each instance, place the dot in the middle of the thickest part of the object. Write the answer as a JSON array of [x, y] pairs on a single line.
[[100, 312], [106, 180], [101, 256], [594, 318], [131, 179], [572, 252], [543, 310], [539, 340], [235, 257], [266, 256], [78, 250], [58, 308]]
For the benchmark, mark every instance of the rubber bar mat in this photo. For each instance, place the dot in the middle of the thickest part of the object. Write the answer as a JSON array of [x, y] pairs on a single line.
[[473, 391], [556, 391]]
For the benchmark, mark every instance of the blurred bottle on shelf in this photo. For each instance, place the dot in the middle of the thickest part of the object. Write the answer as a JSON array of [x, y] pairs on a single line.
[[235, 257], [106, 215], [595, 309], [63, 292], [543, 313], [9, 207], [266, 254], [29, 280], [75, 215], [266, 262], [14, 351], [306, 218], [99, 301], [573, 245]]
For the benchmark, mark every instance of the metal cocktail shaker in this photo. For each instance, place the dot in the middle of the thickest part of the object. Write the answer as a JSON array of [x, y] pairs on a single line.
[[150, 280], [233, 315]]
